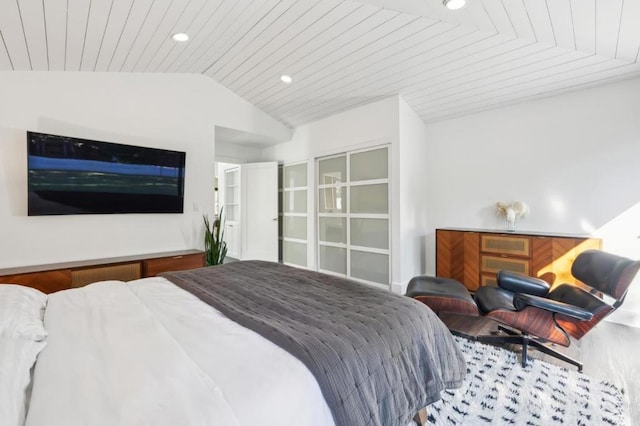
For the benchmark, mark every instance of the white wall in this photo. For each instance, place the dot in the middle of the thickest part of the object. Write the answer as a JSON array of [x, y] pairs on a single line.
[[413, 225], [164, 111], [371, 124], [574, 158], [237, 153]]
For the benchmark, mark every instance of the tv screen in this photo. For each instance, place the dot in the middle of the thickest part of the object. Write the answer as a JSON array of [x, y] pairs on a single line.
[[78, 176]]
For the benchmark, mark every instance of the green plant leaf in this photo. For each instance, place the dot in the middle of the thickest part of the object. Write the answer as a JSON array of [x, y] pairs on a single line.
[[214, 245]]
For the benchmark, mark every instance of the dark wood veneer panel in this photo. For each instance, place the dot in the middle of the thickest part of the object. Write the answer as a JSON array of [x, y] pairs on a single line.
[[458, 257], [153, 267], [537, 322], [448, 304], [46, 282]]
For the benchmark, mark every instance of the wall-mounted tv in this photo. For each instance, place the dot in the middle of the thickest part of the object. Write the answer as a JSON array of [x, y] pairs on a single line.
[[78, 176]]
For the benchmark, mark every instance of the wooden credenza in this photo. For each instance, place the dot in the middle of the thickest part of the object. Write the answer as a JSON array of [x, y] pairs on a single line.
[[61, 276], [474, 256]]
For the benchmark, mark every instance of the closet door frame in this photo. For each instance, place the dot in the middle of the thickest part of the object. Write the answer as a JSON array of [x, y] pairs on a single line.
[[284, 189], [347, 215]]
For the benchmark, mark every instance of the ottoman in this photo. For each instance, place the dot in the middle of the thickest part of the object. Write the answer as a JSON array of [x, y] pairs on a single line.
[[442, 295]]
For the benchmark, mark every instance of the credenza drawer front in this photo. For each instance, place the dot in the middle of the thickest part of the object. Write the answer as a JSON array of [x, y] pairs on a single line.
[[516, 245], [494, 264], [153, 267], [489, 280]]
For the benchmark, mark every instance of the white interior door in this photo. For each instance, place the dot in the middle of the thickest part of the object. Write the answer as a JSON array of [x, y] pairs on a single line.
[[260, 211]]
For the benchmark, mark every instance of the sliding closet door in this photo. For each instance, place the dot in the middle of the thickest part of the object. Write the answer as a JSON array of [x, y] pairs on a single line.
[[369, 215], [293, 214], [332, 215], [353, 215]]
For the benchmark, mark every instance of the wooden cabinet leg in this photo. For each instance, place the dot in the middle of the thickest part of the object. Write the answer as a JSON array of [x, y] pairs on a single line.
[[421, 417]]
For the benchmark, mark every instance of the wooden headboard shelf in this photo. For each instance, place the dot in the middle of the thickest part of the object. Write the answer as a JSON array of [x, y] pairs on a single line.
[[53, 277]]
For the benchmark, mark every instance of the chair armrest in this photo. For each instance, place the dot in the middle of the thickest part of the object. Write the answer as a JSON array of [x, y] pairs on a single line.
[[521, 301], [518, 283]]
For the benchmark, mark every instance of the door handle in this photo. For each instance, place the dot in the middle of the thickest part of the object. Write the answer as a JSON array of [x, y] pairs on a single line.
[[275, 219]]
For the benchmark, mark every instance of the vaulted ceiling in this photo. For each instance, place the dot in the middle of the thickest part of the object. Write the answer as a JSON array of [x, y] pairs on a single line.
[[341, 54]]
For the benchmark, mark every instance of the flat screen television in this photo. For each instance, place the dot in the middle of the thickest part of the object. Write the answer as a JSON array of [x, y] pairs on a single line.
[[78, 176]]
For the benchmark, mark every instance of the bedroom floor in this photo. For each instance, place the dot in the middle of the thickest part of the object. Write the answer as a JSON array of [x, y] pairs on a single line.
[[609, 352]]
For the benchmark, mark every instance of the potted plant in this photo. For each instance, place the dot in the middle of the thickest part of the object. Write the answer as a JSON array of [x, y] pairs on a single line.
[[215, 248]]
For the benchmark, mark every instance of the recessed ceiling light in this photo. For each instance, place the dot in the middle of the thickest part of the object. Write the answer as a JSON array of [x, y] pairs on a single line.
[[286, 78], [180, 37], [454, 4]]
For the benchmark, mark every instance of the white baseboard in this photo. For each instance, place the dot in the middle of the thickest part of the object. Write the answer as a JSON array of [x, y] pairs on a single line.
[[399, 288]]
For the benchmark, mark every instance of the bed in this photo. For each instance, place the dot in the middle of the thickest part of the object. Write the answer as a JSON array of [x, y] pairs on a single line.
[[239, 344]]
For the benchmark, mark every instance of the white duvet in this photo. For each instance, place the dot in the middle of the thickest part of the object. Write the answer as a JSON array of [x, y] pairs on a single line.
[[149, 353]]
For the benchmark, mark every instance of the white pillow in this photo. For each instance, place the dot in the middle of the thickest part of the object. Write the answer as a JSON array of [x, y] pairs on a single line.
[[17, 357], [21, 312]]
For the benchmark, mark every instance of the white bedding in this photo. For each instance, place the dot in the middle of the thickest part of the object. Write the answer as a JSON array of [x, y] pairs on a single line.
[[149, 353], [17, 356]]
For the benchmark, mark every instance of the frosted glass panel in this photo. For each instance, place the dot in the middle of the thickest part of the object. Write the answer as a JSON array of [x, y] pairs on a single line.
[[295, 201], [370, 199], [369, 165], [332, 171], [333, 259], [232, 195], [295, 176], [294, 253], [331, 200], [231, 213], [370, 233], [295, 227], [370, 266], [333, 229], [231, 177]]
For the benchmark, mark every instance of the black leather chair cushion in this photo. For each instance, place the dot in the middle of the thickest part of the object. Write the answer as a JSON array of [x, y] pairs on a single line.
[[522, 284], [435, 286], [601, 270], [493, 298], [521, 301], [490, 299], [576, 296]]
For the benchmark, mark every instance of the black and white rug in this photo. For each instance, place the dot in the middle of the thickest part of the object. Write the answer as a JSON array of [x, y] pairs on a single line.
[[499, 391]]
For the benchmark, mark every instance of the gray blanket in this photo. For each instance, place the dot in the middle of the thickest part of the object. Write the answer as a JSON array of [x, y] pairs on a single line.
[[378, 357]]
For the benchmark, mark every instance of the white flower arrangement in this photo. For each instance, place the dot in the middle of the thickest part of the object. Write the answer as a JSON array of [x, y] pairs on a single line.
[[511, 211]]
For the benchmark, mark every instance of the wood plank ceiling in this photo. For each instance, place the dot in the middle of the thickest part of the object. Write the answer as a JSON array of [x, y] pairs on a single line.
[[341, 54]]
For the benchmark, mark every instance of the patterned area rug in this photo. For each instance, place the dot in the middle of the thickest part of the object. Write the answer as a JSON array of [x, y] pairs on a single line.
[[499, 391]]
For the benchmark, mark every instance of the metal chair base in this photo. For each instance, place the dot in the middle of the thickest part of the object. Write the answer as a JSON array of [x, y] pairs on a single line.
[[525, 340]]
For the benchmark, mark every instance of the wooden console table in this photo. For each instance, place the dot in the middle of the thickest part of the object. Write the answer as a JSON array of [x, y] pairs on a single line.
[[473, 256], [61, 276]]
